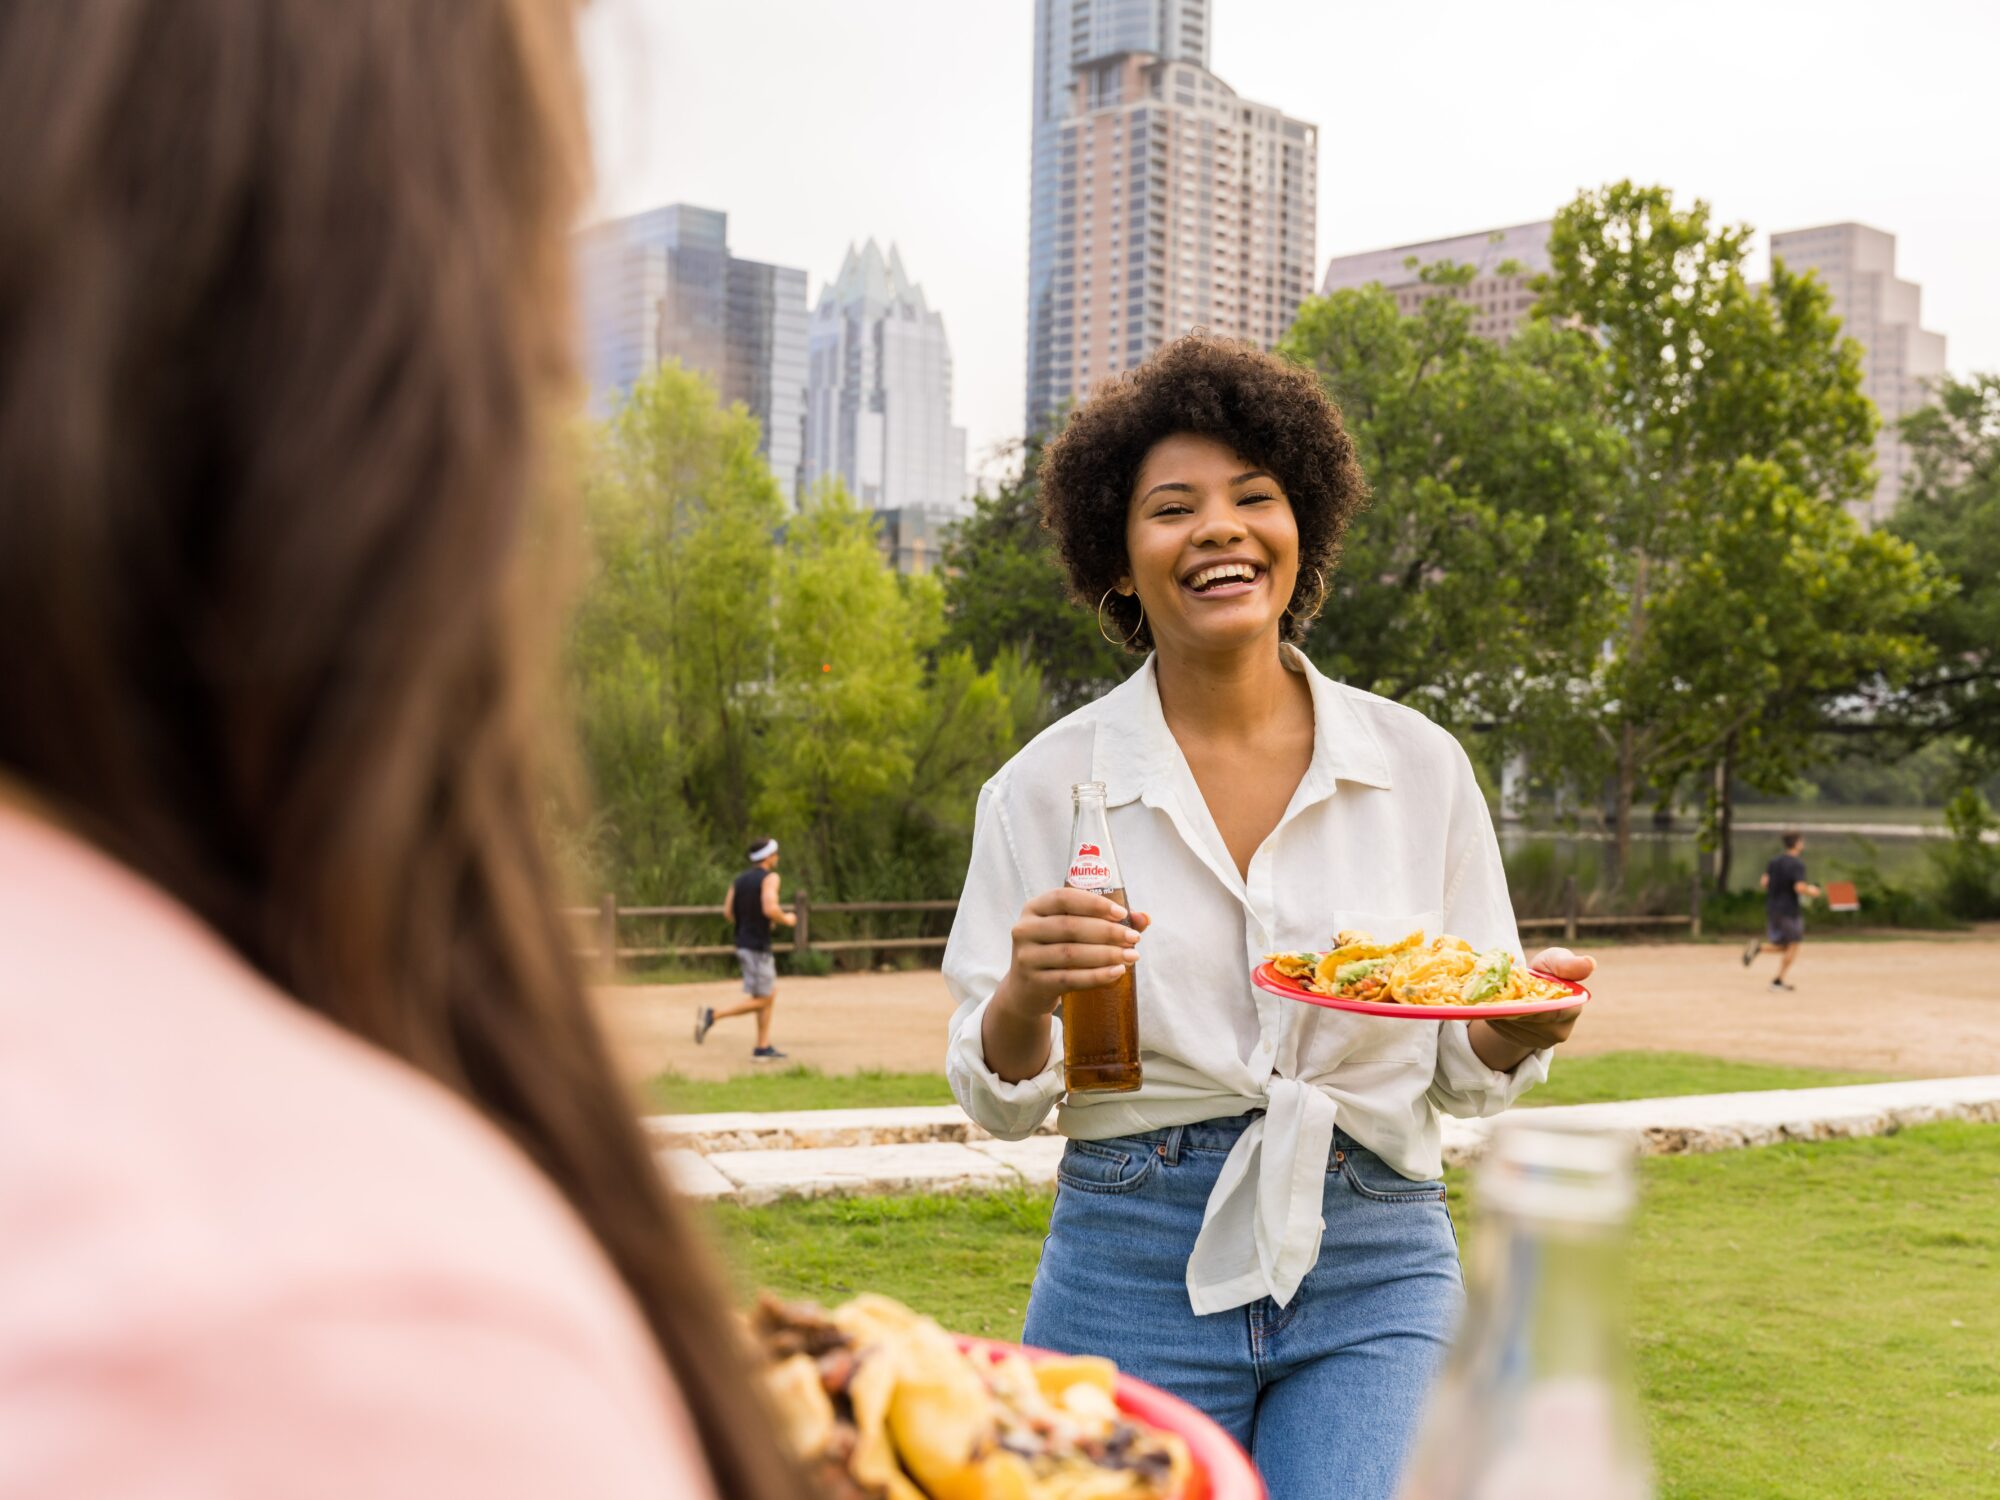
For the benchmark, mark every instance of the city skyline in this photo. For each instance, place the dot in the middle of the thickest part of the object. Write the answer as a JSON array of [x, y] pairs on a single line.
[[1517, 114]]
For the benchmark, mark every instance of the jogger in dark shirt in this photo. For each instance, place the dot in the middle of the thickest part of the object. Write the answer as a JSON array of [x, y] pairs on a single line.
[[1785, 886], [752, 905]]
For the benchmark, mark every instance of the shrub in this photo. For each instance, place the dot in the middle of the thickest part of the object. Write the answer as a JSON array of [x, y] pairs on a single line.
[[1883, 904], [1535, 879], [1968, 867], [814, 963]]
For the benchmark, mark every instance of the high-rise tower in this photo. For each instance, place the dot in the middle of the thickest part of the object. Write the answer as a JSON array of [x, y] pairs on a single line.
[[1183, 205], [878, 394], [1068, 34], [1901, 360]]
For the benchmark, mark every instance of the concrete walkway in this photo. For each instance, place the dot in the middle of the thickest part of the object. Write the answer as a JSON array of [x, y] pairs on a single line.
[[756, 1159]]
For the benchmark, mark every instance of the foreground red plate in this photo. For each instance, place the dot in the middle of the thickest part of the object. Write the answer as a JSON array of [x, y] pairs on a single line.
[[1265, 977], [1222, 1471]]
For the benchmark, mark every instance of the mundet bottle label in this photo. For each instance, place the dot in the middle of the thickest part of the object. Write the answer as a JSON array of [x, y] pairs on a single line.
[[1089, 870]]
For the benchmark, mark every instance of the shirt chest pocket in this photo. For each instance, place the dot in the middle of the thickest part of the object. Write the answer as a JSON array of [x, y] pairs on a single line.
[[1334, 1038]]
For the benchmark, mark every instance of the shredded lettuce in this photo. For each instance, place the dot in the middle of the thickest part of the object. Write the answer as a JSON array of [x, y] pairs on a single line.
[[1487, 978]]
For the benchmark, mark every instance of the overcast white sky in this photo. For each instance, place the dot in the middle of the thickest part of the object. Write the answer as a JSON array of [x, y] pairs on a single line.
[[819, 122]]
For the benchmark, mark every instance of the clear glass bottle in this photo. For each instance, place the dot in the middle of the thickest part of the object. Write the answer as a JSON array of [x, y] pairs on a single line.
[[1537, 1401], [1100, 1026]]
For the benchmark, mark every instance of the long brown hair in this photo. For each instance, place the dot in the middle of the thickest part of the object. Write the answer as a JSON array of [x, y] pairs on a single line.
[[285, 319]]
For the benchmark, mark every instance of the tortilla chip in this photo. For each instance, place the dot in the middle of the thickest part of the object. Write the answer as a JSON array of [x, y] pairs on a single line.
[[1363, 946], [801, 1405], [874, 1462], [942, 1417], [1057, 1376]]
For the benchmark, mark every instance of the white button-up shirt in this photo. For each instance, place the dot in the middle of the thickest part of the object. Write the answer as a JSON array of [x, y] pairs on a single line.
[[1388, 831]]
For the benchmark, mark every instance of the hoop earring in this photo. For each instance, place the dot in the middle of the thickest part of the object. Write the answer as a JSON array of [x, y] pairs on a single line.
[[1306, 616], [1126, 644]]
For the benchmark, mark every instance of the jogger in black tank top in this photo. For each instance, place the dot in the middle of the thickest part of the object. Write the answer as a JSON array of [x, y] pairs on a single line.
[[752, 905]]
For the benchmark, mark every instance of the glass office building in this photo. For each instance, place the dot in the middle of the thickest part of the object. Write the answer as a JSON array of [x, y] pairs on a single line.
[[662, 285]]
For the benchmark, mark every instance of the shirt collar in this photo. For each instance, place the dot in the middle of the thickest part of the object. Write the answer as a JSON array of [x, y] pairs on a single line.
[[1135, 749]]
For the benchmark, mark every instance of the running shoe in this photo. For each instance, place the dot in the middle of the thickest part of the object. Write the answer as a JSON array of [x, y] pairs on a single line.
[[704, 1018], [1779, 984], [766, 1054], [1750, 951]]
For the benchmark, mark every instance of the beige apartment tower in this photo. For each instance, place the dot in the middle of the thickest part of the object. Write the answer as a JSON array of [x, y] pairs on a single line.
[[1900, 361], [1503, 262], [1181, 206]]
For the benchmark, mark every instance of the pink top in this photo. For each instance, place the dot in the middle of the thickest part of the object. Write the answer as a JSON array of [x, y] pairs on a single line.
[[244, 1254]]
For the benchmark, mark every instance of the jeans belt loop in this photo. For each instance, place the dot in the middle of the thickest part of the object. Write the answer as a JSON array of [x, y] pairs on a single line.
[[1170, 1148]]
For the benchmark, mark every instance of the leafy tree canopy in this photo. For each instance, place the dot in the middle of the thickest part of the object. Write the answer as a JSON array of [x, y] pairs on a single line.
[[740, 671], [1480, 571], [1952, 510], [1005, 595], [1746, 432]]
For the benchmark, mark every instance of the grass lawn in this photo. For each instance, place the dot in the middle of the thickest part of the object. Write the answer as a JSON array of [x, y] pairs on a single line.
[[1808, 1321], [1659, 1075], [1573, 1080]]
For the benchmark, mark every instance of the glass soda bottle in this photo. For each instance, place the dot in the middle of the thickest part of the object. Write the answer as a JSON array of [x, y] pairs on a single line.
[[1536, 1401], [1101, 1026]]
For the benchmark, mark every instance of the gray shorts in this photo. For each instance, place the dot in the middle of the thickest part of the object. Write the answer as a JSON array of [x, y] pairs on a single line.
[[1782, 932], [760, 972]]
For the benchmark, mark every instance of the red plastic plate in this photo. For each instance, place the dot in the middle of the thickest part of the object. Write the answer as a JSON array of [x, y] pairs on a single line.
[[1222, 1471], [1266, 977]]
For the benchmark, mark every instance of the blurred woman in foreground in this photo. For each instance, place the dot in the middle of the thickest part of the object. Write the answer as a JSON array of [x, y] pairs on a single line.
[[315, 1179]]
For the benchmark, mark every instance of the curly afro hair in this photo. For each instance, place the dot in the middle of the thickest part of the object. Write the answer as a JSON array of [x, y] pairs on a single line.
[[1271, 412]]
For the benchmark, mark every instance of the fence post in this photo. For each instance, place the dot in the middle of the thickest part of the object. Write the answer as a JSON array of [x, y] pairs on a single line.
[[1694, 904], [607, 932], [802, 934], [1569, 908]]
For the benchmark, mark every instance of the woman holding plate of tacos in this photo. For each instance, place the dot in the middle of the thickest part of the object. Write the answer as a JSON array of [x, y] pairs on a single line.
[[1261, 1227]]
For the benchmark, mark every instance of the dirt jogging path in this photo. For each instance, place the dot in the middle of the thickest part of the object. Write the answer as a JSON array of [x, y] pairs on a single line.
[[1920, 1007]]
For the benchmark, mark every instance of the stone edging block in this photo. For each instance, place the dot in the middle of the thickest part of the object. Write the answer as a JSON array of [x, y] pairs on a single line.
[[756, 1159]]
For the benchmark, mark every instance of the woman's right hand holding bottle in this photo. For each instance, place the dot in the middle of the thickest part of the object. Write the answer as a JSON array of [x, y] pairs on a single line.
[[1066, 939]]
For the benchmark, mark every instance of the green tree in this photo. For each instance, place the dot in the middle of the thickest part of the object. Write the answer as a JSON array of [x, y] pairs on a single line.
[[674, 632], [732, 663], [972, 721], [1005, 596], [877, 740], [1704, 372], [1476, 584], [1788, 604], [847, 681], [1968, 867], [1952, 510]]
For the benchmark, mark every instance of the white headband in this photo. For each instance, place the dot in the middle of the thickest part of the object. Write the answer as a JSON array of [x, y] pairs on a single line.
[[764, 850]]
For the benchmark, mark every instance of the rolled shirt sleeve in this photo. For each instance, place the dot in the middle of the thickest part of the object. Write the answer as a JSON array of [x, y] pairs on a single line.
[[1478, 908], [975, 961]]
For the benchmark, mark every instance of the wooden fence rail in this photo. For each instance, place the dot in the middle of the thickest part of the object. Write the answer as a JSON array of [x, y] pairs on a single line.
[[606, 915]]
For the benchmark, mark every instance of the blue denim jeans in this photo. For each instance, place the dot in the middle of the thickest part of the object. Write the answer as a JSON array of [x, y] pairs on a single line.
[[1325, 1392]]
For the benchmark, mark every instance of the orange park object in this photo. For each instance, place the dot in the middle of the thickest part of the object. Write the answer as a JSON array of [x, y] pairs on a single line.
[[1841, 896]]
